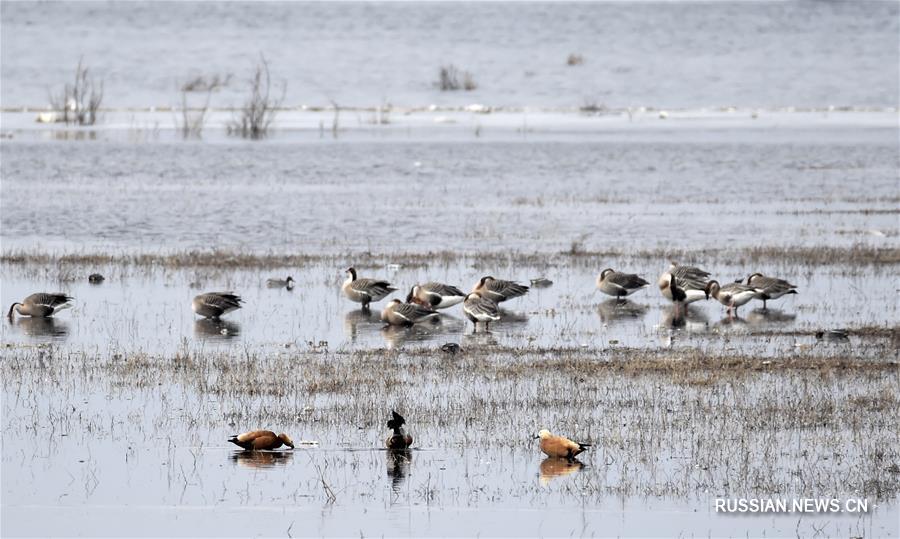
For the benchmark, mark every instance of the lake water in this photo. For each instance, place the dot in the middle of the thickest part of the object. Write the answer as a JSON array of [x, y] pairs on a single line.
[[779, 153], [669, 54]]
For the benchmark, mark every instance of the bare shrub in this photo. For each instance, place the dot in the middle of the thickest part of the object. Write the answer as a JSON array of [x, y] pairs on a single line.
[[78, 102], [452, 79], [194, 118], [575, 60], [260, 108]]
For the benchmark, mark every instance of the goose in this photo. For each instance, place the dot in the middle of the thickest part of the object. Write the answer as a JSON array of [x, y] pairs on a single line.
[[499, 290], [40, 305], [618, 284], [399, 439], [691, 279], [732, 295], [397, 313], [673, 289], [479, 309], [770, 287], [215, 304], [365, 291], [435, 295], [560, 446], [258, 440], [281, 283]]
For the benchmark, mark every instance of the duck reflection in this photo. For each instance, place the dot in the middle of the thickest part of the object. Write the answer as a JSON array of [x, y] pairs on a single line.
[[398, 461], [552, 467], [208, 328], [770, 317], [357, 321], [613, 310], [261, 459], [44, 328]]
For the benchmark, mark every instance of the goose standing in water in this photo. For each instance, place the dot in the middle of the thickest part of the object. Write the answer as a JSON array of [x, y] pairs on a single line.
[[499, 290], [732, 295], [40, 305], [770, 287], [259, 440], [479, 309], [397, 313], [435, 295], [618, 284], [560, 446], [672, 289], [215, 304], [399, 439], [365, 291], [690, 279]]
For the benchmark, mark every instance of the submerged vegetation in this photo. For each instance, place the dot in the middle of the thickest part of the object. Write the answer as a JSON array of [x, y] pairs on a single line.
[[576, 254], [452, 79], [79, 101]]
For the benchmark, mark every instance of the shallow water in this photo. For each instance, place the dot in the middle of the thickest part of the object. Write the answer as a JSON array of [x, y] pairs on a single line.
[[668, 54], [660, 189], [149, 311]]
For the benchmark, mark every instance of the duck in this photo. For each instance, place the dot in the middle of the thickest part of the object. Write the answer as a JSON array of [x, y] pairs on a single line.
[[96, 278], [435, 295], [41, 305], [215, 304], [691, 280], [281, 283], [499, 290], [618, 284], [397, 313], [399, 439], [560, 446], [731, 295], [770, 287], [480, 309], [258, 440], [365, 291]]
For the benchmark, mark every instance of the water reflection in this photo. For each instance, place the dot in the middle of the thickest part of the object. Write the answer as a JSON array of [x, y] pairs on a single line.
[[261, 459], [770, 317], [398, 461], [359, 320], [731, 323], [693, 319], [44, 328], [207, 328], [397, 336], [613, 310], [552, 467]]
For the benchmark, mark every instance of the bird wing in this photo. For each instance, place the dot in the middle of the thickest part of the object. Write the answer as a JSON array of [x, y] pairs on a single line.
[[627, 281], [507, 289], [45, 299], [441, 289], [372, 286], [412, 311], [481, 305], [221, 300]]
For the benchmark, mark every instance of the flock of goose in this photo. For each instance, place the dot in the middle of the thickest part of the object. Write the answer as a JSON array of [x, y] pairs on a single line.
[[679, 284]]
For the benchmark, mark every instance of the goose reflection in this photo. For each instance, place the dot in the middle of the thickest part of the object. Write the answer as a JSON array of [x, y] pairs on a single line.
[[770, 317], [43, 328], [693, 320], [397, 336], [261, 459], [731, 324], [553, 467], [209, 328], [613, 310], [398, 461], [358, 320]]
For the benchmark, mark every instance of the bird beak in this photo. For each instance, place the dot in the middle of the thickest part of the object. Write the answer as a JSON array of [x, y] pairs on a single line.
[[534, 436]]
